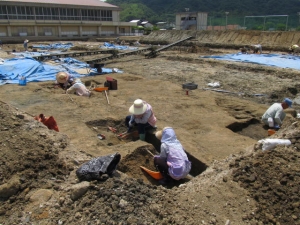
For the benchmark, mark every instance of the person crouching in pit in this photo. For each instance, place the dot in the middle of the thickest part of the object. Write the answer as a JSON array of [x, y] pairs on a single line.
[[172, 162], [141, 116]]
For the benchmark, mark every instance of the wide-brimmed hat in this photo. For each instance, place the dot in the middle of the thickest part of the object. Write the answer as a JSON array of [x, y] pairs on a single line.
[[138, 107], [159, 133], [288, 101], [62, 77]]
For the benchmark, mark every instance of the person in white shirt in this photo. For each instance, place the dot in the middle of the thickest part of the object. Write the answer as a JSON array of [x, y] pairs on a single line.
[[79, 88], [275, 115]]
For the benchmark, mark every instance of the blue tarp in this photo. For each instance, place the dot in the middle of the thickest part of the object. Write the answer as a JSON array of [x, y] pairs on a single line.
[[118, 47], [36, 71], [278, 60], [54, 46]]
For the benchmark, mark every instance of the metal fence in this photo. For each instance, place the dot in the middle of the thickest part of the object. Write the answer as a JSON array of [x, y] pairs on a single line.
[[263, 22]]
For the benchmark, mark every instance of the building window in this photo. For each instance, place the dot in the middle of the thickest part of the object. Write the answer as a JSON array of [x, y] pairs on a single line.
[[47, 31], [39, 14], [11, 11], [3, 14], [48, 13], [22, 31], [106, 15]]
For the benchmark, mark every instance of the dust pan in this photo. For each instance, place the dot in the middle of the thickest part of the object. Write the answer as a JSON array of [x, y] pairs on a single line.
[[100, 89], [271, 132], [154, 174]]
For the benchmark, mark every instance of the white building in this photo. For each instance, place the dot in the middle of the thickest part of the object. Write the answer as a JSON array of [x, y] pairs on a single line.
[[45, 19], [191, 20]]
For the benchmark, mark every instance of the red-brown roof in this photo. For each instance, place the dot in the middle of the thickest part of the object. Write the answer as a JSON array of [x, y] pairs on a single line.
[[97, 3]]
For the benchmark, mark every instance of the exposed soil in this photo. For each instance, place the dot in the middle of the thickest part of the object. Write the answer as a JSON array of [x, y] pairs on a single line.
[[232, 180]]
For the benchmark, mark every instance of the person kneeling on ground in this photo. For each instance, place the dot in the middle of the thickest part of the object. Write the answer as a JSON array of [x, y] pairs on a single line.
[[79, 88], [64, 80], [256, 48], [294, 49], [275, 115], [141, 116], [172, 162]]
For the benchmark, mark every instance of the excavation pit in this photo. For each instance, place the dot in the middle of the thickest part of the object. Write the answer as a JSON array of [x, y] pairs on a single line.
[[252, 128], [143, 156]]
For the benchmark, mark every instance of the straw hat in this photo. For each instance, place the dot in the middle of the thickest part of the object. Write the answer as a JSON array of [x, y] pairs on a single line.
[[61, 77], [159, 133], [138, 107]]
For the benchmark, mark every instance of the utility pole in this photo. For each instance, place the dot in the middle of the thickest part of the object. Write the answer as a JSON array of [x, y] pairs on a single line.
[[226, 13]]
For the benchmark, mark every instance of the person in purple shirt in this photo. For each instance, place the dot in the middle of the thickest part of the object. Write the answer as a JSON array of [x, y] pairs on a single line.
[[172, 161]]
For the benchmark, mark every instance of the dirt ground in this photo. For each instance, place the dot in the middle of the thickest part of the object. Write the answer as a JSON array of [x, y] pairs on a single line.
[[232, 180]]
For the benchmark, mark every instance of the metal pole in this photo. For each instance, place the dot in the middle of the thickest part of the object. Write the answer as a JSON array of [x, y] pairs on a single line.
[[226, 20]]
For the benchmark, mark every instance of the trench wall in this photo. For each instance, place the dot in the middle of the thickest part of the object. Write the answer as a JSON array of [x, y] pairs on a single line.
[[273, 40]]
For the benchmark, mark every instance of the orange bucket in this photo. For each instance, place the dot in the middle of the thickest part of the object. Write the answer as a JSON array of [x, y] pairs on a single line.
[[100, 89], [156, 175], [271, 132]]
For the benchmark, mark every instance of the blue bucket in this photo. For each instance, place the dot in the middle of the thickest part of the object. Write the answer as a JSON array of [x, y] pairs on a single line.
[[22, 81]]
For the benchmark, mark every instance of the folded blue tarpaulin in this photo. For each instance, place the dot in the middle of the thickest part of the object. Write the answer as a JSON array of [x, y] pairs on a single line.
[[36, 71], [54, 46], [118, 47], [30, 68], [278, 60]]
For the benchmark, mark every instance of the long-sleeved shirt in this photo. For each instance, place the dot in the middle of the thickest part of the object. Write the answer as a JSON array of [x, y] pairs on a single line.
[[147, 117], [276, 112], [80, 89], [172, 151]]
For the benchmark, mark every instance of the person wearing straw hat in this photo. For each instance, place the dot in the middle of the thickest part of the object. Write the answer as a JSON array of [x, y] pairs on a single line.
[[79, 89], [141, 116], [294, 49], [275, 114], [172, 161], [64, 80]]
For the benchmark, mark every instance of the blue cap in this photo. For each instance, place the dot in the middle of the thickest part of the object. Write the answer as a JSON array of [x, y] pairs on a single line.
[[288, 102]]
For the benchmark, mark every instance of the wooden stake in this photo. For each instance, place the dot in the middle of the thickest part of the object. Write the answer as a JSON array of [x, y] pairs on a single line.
[[106, 97]]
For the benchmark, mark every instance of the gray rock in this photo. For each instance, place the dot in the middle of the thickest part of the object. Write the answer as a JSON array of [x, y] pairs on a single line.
[[10, 188], [78, 190]]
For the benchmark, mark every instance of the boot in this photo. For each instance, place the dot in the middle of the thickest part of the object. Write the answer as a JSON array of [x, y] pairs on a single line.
[[142, 137]]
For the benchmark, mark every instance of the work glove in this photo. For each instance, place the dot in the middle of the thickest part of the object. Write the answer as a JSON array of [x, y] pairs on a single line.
[[130, 124]]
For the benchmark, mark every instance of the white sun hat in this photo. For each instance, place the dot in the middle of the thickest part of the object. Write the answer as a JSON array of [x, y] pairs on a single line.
[[138, 107]]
